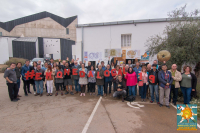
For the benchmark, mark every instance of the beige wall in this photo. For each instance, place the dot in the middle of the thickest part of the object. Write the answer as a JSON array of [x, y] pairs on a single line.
[[46, 27]]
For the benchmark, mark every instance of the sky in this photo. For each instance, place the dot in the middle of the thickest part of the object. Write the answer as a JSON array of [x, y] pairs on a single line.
[[95, 11]]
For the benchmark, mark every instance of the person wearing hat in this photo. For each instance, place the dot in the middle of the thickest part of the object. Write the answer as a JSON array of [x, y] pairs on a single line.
[[153, 85]]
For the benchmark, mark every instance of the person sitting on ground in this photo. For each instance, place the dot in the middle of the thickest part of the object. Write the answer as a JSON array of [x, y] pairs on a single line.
[[11, 80], [120, 88]]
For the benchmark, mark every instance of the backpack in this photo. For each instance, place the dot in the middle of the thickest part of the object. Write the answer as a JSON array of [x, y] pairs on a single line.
[[130, 98]]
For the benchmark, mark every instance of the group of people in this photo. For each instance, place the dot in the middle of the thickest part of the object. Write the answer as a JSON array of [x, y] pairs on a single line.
[[164, 83]]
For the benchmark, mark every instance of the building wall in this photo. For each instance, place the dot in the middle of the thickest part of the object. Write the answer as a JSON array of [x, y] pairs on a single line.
[[108, 37], [4, 54], [52, 46], [46, 27]]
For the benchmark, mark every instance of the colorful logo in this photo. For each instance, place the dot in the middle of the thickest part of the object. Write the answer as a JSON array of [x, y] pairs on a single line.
[[187, 117]]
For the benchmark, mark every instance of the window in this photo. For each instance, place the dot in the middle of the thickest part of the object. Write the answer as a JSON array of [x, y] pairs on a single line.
[[0, 33], [67, 30], [126, 40]]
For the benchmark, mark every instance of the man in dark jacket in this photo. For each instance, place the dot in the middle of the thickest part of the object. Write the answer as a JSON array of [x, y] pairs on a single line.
[[165, 81], [11, 80], [67, 79], [76, 77], [121, 90], [108, 81], [18, 73], [39, 82], [25, 69], [154, 86], [100, 80]]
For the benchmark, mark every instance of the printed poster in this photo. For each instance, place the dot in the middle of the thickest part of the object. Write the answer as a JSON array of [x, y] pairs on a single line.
[[133, 54], [145, 56], [94, 56], [123, 54], [186, 117], [113, 52]]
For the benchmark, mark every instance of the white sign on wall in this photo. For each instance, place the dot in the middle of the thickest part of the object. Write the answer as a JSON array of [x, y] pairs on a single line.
[[94, 56], [133, 54], [52, 46]]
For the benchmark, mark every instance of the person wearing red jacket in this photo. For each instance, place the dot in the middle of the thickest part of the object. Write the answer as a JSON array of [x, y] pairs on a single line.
[[131, 81]]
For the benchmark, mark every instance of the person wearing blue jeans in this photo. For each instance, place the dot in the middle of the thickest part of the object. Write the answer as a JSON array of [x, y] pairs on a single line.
[[39, 86], [39, 81], [188, 84], [100, 90], [186, 94], [154, 88], [137, 70], [77, 85], [153, 83], [131, 90]]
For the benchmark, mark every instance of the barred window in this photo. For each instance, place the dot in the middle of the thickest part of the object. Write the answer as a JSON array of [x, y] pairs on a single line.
[[126, 40]]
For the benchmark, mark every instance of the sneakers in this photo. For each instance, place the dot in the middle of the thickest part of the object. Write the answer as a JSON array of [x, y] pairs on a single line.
[[56, 94], [37, 94], [151, 101], [81, 94], [29, 92], [168, 106], [160, 105], [48, 94], [71, 93], [66, 92], [34, 92], [41, 95], [61, 93]]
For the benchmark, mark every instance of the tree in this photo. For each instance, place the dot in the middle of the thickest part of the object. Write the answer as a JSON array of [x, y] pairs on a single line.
[[181, 38]]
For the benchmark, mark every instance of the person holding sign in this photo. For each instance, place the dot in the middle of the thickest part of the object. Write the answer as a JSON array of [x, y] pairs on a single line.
[[39, 76], [165, 81], [26, 82], [91, 80], [49, 73], [176, 75], [108, 79], [83, 81], [137, 70], [144, 76], [188, 84], [75, 76], [153, 83], [100, 80], [131, 81], [59, 79], [67, 79]]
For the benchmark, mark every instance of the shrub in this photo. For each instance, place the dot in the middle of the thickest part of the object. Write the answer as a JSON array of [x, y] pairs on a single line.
[[15, 60]]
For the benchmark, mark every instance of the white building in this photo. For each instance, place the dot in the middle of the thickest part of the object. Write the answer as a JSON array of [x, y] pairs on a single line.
[[125, 35]]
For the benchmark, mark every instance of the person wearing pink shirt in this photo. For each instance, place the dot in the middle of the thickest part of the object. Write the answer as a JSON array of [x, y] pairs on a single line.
[[131, 81]]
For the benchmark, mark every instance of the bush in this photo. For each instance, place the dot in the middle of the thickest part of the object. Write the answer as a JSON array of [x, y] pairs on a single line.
[[15, 60], [2, 70]]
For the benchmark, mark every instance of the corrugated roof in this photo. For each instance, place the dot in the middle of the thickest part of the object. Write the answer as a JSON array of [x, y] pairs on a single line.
[[8, 26], [26, 39]]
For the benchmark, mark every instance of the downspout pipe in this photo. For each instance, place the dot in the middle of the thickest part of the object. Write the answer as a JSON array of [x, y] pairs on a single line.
[[82, 44]]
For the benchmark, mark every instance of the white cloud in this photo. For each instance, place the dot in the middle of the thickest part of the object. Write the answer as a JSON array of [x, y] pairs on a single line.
[[93, 11]]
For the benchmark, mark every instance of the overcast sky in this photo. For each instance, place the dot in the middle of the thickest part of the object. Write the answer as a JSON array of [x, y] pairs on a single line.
[[93, 11]]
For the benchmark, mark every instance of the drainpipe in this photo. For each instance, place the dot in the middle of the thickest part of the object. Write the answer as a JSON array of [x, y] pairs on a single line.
[[82, 50]]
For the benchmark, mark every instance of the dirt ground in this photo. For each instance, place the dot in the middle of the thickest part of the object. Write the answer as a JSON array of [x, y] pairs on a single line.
[[69, 114]]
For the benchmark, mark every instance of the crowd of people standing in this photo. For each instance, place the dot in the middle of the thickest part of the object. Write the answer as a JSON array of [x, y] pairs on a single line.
[[165, 83]]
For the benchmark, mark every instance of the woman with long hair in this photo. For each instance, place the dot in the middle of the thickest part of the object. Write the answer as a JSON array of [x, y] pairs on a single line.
[[92, 81], [32, 80], [131, 81], [188, 84], [83, 80], [54, 69], [145, 83], [49, 80]]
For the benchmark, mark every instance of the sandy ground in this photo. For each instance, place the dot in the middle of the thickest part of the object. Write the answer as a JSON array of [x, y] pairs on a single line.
[[69, 114]]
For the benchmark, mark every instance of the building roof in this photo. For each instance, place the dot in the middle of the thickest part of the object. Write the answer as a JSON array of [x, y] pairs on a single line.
[[124, 22], [26, 39], [8, 26]]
